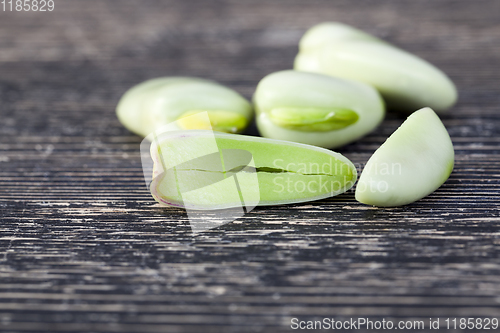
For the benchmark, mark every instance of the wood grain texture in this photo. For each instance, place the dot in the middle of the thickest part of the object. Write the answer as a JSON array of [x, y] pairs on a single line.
[[84, 247]]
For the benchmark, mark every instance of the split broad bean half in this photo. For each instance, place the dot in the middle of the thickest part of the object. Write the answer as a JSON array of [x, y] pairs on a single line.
[[406, 81], [316, 109], [205, 170], [155, 103]]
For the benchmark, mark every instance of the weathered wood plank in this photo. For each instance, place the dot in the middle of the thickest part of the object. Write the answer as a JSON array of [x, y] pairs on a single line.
[[84, 247]]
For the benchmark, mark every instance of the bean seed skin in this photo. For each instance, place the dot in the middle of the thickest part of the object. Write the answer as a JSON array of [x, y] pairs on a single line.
[[406, 81], [316, 109], [412, 163], [276, 172], [158, 102]]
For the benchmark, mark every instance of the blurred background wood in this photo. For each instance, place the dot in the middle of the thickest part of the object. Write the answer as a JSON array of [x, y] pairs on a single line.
[[84, 248]]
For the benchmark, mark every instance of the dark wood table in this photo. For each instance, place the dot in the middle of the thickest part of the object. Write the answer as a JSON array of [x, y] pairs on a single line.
[[84, 247]]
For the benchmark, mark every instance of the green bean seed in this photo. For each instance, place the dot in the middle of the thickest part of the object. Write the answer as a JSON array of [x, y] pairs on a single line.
[[412, 163], [405, 81], [158, 102], [316, 109], [208, 170]]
